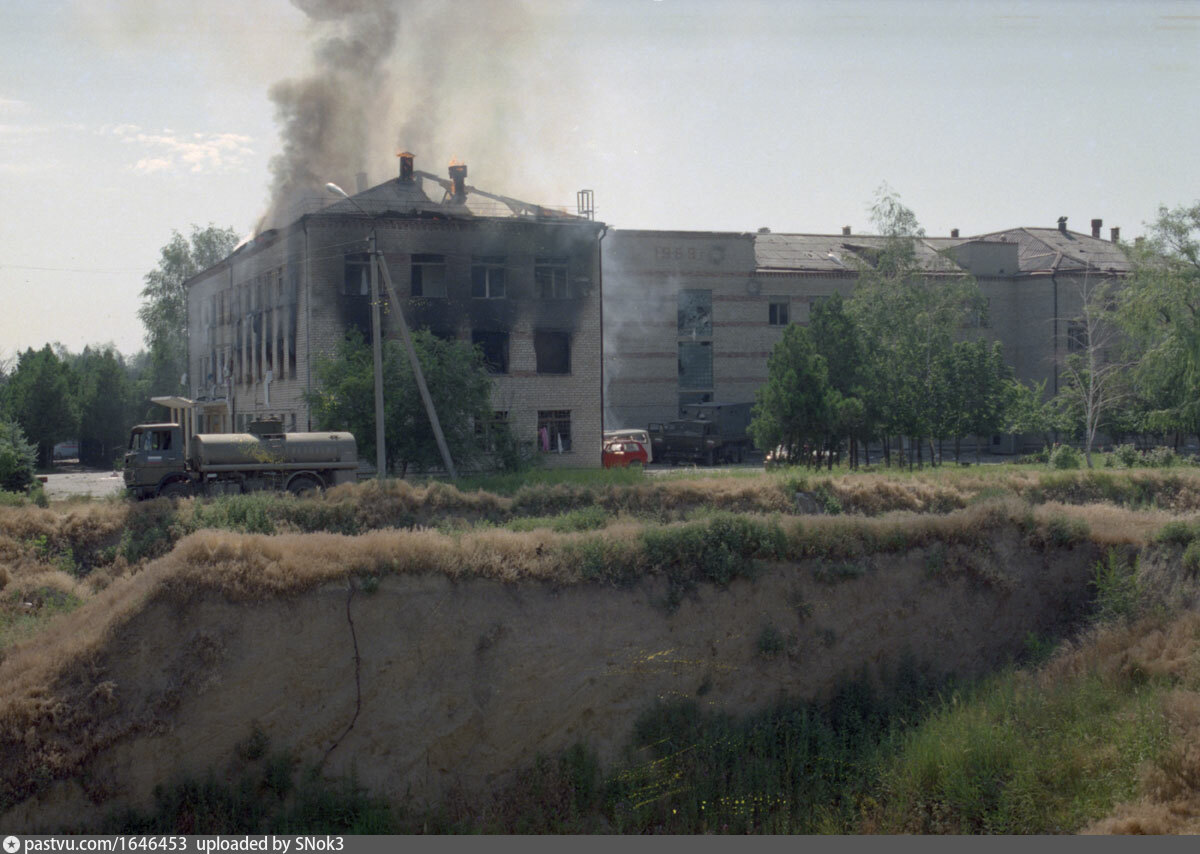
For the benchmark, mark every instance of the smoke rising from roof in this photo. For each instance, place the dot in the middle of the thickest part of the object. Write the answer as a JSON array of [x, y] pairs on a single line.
[[437, 79]]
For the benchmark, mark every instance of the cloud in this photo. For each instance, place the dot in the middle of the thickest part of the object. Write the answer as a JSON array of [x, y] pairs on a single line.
[[169, 151]]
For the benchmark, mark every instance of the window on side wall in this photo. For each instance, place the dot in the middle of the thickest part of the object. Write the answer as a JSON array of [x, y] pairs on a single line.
[[357, 276], [552, 350], [429, 276], [777, 311], [487, 432], [487, 277], [495, 349], [550, 278], [554, 430]]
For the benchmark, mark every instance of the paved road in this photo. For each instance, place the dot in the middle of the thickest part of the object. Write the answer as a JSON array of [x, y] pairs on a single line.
[[76, 480]]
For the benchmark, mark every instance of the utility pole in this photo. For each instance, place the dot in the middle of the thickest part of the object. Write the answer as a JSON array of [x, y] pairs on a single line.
[[377, 356]]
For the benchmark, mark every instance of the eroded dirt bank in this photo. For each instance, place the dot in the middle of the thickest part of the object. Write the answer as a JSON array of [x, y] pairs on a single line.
[[460, 682]]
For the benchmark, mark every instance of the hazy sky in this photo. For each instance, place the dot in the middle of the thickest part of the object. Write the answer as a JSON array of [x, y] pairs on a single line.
[[121, 120]]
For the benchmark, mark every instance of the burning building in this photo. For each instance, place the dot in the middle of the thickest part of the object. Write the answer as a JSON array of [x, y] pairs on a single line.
[[520, 281]]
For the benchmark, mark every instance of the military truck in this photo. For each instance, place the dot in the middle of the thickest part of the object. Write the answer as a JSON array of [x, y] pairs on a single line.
[[166, 459], [706, 433]]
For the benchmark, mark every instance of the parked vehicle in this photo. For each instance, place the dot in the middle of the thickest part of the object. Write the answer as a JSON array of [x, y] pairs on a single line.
[[624, 453], [704, 433], [642, 436]]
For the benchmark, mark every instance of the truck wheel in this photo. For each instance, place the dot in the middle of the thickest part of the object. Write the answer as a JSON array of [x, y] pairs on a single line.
[[304, 485], [175, 489]]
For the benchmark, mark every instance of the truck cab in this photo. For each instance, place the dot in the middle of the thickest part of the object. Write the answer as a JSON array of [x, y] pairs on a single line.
[[154, 459]]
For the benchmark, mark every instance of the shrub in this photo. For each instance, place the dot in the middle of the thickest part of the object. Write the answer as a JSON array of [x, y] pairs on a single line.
[[1065, 457], [827, 501], [771, 641], [1161, 458], [1191, 558], [1176, 533], [1118, 593], [1127, 455]]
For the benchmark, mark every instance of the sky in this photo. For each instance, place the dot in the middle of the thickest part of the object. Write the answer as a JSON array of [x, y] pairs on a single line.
[[122, 121]]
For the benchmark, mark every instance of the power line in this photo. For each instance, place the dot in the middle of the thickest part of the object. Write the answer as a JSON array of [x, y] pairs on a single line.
[[70, 270]]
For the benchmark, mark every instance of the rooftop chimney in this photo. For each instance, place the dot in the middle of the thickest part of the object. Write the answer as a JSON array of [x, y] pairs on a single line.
[[406, 165], [360, 181], [845, 231], [954, 232], [1062, 224], [1115, 234], [458, 177], [1096, 225]]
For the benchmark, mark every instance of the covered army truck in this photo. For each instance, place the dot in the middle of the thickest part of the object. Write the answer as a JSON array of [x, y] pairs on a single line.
[[706, 433], [167, 459]]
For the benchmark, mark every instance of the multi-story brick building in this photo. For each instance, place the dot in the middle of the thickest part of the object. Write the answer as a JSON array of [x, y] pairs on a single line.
[[519, 280], [693, 316]]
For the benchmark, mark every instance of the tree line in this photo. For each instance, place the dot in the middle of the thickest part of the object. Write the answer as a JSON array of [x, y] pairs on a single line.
[[891, 360]]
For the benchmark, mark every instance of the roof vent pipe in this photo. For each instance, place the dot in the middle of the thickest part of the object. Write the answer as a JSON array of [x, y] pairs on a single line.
[[458, 178], [1097, 224], [1062, 224], [845, 231], [1115, 234], [954, 232], [406, 165]]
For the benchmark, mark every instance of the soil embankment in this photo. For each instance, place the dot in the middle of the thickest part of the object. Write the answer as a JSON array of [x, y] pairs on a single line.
[[420, 682]]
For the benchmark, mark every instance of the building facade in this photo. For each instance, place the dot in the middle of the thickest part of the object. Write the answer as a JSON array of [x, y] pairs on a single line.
[[520, 281], [693, 316]]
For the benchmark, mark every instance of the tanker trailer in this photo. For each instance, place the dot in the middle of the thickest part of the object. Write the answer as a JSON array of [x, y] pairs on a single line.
[[158, 463]]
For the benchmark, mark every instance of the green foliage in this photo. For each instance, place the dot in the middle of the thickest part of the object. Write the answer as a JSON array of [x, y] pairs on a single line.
[[458, 384], [17, 458], [40, 399], [1161, 457], [771, 641], [826, 500], [793, 407], [163, 311], [1126, 455], [18, 621], [104, 396], [1065, 457], [1118, 591]]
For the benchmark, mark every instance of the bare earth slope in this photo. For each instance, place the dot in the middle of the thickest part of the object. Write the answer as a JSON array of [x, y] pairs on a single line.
[[460, 681]]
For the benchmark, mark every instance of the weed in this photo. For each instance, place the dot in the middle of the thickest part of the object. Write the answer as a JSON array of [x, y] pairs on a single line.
[[1118, 592], [826, 500], [1191, 558], [370, 584], [935, 561], [1177, 533], [771, 642], [836, 573]]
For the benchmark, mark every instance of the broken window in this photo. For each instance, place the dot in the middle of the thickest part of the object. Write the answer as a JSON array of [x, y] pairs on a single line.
[[550, 278], [487, 278], [1077, 337], [777, 311], [553, 351], [429, 275], [494, 346], [695, 364], [695, 313], [554, 430]]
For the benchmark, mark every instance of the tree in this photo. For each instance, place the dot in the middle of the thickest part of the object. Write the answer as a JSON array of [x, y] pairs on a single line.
[[40, 398], [909, 320], [458, 383], [17, 458], [794, 406], [104, 405], [164, 302], [837, 338], [1159, 314], [1094, 383]]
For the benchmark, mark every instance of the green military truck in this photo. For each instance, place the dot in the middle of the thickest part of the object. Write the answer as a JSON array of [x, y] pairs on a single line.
[[707, 433], [167, 459]]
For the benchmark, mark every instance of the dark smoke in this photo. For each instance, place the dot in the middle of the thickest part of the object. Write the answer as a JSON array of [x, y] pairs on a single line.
[[326, 119]]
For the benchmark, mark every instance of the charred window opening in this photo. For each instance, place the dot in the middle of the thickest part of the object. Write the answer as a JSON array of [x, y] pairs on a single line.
[[777, 312], [494, 346], [554, 430], [357, 279], [552, 350], [550, 278], [695, 313], [429, 275], [695, 364], [487, 277], [488, 433]]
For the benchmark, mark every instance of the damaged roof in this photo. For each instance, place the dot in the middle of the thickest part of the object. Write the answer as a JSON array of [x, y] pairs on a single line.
[[1039, 250]]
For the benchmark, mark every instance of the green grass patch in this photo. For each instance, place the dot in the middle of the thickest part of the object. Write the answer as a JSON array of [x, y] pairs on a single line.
[[22, 615]]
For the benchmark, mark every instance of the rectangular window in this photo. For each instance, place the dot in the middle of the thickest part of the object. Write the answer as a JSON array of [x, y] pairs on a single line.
[[1077, 337], [553, 351], [554, 430], [777, 312], [487, 432], [695, 313], [550, 278], [487, 278], [495, 349], [357, 279], [695, 365], [429, 275]]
